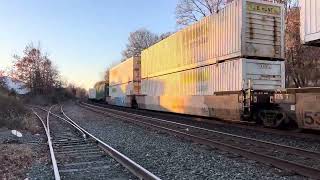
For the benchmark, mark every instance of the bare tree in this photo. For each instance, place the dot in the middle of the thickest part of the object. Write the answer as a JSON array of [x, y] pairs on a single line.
[[1, 73], [138, 41], [288, 4], [81, 93], [302, 62], [106, 75], [164, 35], [36, 70], [189, 11], [2, 84]]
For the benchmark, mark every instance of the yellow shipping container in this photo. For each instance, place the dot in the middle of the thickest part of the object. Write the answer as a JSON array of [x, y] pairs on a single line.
[[125, 78]]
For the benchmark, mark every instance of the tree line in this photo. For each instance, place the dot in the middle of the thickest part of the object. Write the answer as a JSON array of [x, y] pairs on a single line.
[[41, 77], [36, 70]]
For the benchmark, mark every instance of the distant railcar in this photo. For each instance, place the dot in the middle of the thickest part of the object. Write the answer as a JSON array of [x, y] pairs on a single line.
[[99, 92], [92, 94]]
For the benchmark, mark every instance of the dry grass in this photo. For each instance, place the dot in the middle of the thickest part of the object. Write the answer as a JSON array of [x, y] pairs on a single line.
[[12, 112], [15, 160], [14, 115], [32, 124]]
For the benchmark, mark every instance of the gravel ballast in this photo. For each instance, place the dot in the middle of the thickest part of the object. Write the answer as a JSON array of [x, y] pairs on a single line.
[[311, 144], [84, 160], [170, 157], [24, 157]]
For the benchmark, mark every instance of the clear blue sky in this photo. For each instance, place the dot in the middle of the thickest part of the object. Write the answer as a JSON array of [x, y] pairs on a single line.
[[82, 37]]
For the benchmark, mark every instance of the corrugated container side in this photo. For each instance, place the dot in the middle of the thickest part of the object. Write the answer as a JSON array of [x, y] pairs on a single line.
[[120, 90], [263, 32], [310, 21], [231, 75], [121, 73], [244, 28], [125, 78]]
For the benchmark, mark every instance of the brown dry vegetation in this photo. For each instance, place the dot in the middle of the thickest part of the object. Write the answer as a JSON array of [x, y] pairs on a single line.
[[12, 112], [15, 160], [36, 70], [14, 115]]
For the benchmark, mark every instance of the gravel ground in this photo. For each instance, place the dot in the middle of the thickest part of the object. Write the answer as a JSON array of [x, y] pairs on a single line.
[[170, 157], [24, 157], [304, 143]]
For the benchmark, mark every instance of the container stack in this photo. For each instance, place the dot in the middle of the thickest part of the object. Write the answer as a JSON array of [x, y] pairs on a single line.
[[222, 52], [124, 80]]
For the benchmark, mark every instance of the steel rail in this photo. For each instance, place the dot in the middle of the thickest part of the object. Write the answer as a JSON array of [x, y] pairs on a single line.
[[48, 125], [297, 151], [279, 163], [53, 158], [216, 121], [72, 122], [132, 166], [83, 134]]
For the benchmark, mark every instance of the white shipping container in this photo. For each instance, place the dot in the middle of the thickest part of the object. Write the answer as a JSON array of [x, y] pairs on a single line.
[[122, 94], [244, 28], [310, 22], [125, 78], [121, 90], [233, 75], [92, 93]]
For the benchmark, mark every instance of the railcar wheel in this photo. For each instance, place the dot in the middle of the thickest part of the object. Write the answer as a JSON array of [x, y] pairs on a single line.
[[273, 119]]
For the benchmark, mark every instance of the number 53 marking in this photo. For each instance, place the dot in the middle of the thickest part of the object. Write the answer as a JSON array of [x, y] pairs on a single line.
[[311, 118]]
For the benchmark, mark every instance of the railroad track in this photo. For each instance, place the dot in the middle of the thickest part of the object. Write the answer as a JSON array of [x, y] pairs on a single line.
[[300, 161], [213, 122], [77, 154]]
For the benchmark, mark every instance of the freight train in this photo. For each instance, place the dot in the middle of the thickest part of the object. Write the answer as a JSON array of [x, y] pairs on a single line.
[[229, 65]]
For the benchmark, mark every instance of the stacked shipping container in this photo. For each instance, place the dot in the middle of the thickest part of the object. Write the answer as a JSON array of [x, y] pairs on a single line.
[[124, 81], [225, 76], [200, 68], [245, 28]]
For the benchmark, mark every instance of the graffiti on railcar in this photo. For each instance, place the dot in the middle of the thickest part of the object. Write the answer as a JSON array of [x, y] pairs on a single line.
[[308, 110], [312, 118]]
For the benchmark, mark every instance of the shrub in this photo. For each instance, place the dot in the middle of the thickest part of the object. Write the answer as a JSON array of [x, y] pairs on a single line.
[[12, 112]]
